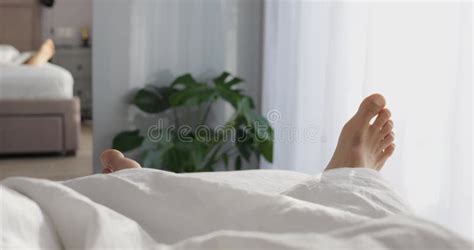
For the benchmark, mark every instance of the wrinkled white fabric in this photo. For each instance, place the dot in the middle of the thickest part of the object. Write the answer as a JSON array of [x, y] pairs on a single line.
[[268, 181], [151, 209], [24, 82], [23, 223]]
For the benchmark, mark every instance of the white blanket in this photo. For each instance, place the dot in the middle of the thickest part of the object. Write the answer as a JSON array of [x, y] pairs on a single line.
[[150, 209], [24, 82]]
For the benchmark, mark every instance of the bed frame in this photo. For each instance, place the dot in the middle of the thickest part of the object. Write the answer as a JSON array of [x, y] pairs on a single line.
[[39, 126], [20, 23]]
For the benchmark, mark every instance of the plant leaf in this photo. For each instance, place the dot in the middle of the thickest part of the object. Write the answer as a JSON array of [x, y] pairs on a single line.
[[244, 105], [266, 149], [192, 96], [173, 159], [244, 143], [211, 157], [221, 79], [127, 140], [231, 96], [225, 159], [262, 129], [238, 163], [233, 82], [185, 80], [151, 102]]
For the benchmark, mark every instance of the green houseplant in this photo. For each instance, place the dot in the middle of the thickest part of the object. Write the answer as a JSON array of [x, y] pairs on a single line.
[[188, 149]]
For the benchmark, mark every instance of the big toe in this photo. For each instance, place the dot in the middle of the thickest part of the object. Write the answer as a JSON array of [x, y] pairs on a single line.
[[108, 156], [49, 42], [48, 45], [371, 106]]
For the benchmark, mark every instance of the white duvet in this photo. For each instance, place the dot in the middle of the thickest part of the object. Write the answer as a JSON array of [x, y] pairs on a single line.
[[24, 82], [150, 209]]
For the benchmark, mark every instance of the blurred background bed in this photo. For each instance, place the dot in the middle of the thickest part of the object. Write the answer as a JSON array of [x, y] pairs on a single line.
[[38, 112], [40, 107]]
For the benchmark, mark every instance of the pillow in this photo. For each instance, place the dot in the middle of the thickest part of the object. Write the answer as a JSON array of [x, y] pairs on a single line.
[[8, 53]]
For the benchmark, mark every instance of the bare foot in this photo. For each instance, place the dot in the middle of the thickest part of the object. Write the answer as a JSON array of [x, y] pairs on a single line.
[[44, 53], [362, 144], [113, 160]]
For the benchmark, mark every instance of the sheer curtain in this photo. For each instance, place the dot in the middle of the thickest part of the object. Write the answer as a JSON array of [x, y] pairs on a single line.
[[202, 37], [320, 60]]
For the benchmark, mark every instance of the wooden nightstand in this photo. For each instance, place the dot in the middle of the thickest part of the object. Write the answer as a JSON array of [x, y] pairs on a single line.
[[78, 61]]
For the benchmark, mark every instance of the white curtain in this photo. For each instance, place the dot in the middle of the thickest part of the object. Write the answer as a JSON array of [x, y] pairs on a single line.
[[322, 58], [202, 37]]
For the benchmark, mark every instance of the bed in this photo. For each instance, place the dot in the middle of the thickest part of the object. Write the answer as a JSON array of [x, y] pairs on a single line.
[[262, 209], [38, 113]]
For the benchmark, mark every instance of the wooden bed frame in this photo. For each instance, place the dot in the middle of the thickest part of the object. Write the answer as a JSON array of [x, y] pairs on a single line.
[[39, 126]]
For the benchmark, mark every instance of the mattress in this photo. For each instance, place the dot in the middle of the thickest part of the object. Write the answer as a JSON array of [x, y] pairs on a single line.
[[44, 82]]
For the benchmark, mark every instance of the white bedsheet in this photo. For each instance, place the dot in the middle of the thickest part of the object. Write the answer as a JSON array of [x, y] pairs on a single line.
[[150, 209], [23, 82]]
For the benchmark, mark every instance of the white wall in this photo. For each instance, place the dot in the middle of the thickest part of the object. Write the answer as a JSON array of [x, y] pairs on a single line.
[[67, 13], [140, 41]]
